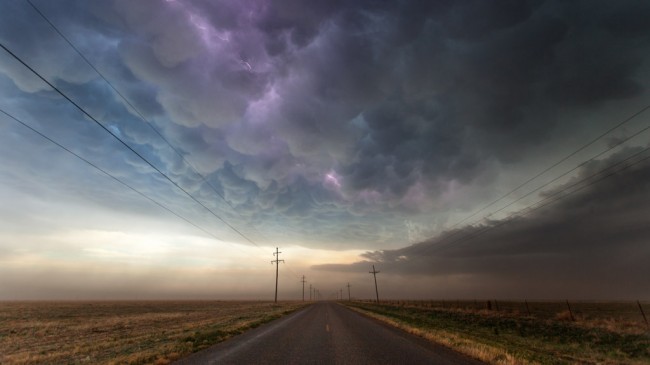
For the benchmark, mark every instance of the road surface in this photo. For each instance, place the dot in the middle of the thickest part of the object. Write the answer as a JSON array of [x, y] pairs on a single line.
[[326, 333]]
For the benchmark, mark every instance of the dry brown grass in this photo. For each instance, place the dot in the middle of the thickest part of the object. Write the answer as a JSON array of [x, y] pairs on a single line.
[[616, 316], [474, 349], [153, 332], [610, 335]]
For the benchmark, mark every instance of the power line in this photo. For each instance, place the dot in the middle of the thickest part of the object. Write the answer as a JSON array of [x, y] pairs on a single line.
[[295, 274], [142, 117], [626, 120], [550, 199], [136, 110], [619, 143], [126, 145], [116, 178], [88, 162], [537, 205]]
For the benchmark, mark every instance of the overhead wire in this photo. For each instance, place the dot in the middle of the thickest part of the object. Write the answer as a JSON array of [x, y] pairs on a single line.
[[126, 100], [151, 126], [140, 115], [547, 200], [122, 142], [557, 163], [619, 143], [204, 179], [113, 177], [616, 145]]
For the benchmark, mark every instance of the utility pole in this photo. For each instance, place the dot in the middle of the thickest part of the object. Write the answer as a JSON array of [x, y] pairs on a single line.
[[310, 292], [349, 300], [277, 263], [341, 293], [374, 273], [303, 288]]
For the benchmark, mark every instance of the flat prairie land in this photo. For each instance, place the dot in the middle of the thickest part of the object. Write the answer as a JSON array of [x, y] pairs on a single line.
[[543, 333], [124, 332]]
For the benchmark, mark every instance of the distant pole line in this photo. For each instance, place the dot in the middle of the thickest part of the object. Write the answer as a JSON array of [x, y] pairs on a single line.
[[303, 288], [374, 274], [349, 297], [277, 264], [310, 292]]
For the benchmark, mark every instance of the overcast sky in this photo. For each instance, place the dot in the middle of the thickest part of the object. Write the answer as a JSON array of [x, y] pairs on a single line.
[[406, 134]]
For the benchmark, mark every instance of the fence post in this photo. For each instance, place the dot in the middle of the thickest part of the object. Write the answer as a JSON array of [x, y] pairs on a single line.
[[643, 314], [570, 312], [527, 309]]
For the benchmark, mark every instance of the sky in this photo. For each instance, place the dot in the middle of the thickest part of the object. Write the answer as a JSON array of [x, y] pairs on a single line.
[[467, 149]]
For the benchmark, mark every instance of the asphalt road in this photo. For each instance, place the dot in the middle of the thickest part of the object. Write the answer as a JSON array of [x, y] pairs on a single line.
[[327, 333]]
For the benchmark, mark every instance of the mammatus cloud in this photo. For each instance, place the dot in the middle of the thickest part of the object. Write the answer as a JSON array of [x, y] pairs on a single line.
[[589, 244], [325, 124], [282, 93], [393, 107]]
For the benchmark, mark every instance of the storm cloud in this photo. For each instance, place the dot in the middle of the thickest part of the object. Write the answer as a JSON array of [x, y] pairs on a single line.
[[585, 239], [335, 125]]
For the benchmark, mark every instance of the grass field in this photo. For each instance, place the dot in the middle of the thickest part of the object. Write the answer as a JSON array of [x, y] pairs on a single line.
[[599, 333], [154, 332]]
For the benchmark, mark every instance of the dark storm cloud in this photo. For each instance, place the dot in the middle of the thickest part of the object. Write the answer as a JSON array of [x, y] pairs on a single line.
[[312, 108], [435, 98], [590, 244]]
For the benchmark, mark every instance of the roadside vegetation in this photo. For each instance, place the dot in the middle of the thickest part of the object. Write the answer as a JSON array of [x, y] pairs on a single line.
[[548, 335], [130, 332]]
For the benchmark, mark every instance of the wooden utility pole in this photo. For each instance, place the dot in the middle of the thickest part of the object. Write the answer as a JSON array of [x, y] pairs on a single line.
[[310, 292], [374, 273], [349, 293], [303, 288], [277, 264]]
